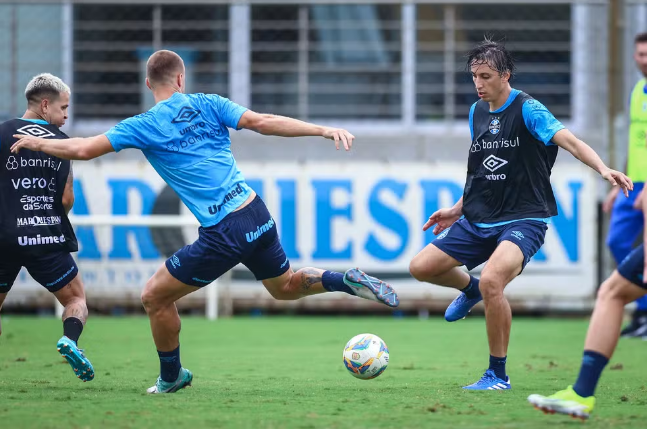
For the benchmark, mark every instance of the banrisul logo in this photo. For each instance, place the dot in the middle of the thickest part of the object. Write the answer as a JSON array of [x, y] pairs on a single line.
[[495, 126], [260, 230], [186, 114]]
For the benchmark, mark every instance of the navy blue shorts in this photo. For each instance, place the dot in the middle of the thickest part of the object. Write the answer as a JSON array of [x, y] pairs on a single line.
[[633, 266], [472, 245], [246, 236], [53, 271]]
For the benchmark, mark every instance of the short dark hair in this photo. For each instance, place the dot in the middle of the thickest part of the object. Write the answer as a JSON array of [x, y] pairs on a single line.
[[640, 38], [494, 54], [163, 65]]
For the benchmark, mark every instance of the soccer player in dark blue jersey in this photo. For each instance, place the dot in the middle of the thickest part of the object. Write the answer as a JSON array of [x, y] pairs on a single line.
[[507, 202], [185, 137], [626, 284]]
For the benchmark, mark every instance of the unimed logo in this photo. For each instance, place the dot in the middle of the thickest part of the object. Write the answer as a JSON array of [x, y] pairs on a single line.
[[39, 240]]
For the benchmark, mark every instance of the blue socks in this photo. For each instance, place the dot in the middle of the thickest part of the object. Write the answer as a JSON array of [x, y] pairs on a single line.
[[472, 290], [170, 365], [497, 364], [592, 365], [334, 282]]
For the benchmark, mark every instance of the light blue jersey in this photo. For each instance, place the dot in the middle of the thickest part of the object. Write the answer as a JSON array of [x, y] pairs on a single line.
[[186, 139]]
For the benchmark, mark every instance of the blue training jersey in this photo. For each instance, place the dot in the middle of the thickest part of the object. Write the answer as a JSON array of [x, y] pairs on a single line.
[[186, 139]]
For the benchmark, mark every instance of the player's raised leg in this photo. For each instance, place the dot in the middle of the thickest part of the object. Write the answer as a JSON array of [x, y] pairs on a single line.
[[504, 265], [601, 340], [433, 265], [75, 313], [159, 297], [311, 281]]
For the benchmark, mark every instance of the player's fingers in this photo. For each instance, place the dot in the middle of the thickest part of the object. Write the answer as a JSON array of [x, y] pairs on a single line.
[[16, 147], [350, 139], [427, 225], [438, 229], [344, 140], [335, 137]]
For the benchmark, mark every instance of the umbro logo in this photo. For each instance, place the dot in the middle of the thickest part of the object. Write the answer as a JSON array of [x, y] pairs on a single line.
[[35, 130], [187, 114], [493, 163], [517, 234]]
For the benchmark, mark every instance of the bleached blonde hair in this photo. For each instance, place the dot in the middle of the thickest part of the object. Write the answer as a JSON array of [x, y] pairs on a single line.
[[45, 85]]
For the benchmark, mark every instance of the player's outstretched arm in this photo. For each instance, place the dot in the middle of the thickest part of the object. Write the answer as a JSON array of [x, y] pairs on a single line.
[[75, 148], [580, 150], [282, 126]]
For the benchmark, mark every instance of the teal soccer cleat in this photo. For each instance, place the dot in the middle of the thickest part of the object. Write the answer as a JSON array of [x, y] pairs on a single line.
[[370, 288], [80, 364], [184, 379]]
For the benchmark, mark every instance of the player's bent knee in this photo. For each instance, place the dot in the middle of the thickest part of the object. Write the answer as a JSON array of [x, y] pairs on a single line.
[[490, 288], [421, 270]]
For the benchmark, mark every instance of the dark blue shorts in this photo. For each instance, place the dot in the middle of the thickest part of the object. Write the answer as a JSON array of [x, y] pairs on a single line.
[[246, 236], [633, 266], [52, 271], [471, 245]]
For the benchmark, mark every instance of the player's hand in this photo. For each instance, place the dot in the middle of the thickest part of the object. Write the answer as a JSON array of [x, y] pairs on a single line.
[[26, 142], [638, 204], [617, 178], [607, 205], [442, 219], [339, 135]]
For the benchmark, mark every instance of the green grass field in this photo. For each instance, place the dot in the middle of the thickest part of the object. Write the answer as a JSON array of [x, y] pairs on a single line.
[[288, 373]]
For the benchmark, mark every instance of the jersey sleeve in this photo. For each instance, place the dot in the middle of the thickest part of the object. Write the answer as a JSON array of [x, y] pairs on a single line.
[[226, 111], [540, 122], [128, 134], [472, 120]]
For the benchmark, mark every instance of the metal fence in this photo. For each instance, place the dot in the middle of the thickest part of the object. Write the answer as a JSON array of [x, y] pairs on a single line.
[[400, 63]]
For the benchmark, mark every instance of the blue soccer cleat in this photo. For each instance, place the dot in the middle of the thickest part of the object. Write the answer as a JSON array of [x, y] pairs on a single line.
[[489, 381], [370, 288], [459, 307], [184, 379], [75, 357]]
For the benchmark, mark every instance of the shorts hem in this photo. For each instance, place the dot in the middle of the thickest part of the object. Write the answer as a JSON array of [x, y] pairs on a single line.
[[633, 282], [449, 253], [279, 273]]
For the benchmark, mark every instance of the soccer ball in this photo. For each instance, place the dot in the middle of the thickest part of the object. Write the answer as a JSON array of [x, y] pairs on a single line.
[[366, 356]]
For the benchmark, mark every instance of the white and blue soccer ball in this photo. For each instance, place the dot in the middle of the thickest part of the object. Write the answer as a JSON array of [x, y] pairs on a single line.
[[366, 356]]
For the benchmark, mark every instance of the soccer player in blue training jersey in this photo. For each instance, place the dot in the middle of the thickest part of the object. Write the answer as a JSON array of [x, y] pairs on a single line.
[[36, 194], [626, 284], [507, 202], [185, 137]]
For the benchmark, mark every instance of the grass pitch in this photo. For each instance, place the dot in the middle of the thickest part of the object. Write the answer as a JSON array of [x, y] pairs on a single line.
[[288, 373]]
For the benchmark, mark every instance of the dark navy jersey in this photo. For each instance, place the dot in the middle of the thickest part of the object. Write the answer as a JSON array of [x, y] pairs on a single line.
[[510, 160], [33, 220]]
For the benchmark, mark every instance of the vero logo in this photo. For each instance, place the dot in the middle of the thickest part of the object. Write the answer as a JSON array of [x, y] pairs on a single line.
[[187, 114], [493, 163]]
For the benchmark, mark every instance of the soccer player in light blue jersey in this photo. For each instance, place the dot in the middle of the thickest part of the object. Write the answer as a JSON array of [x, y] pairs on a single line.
[[185, 137]]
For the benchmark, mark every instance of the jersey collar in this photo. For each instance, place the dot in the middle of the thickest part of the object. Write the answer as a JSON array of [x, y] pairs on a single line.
[[511, 97]]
